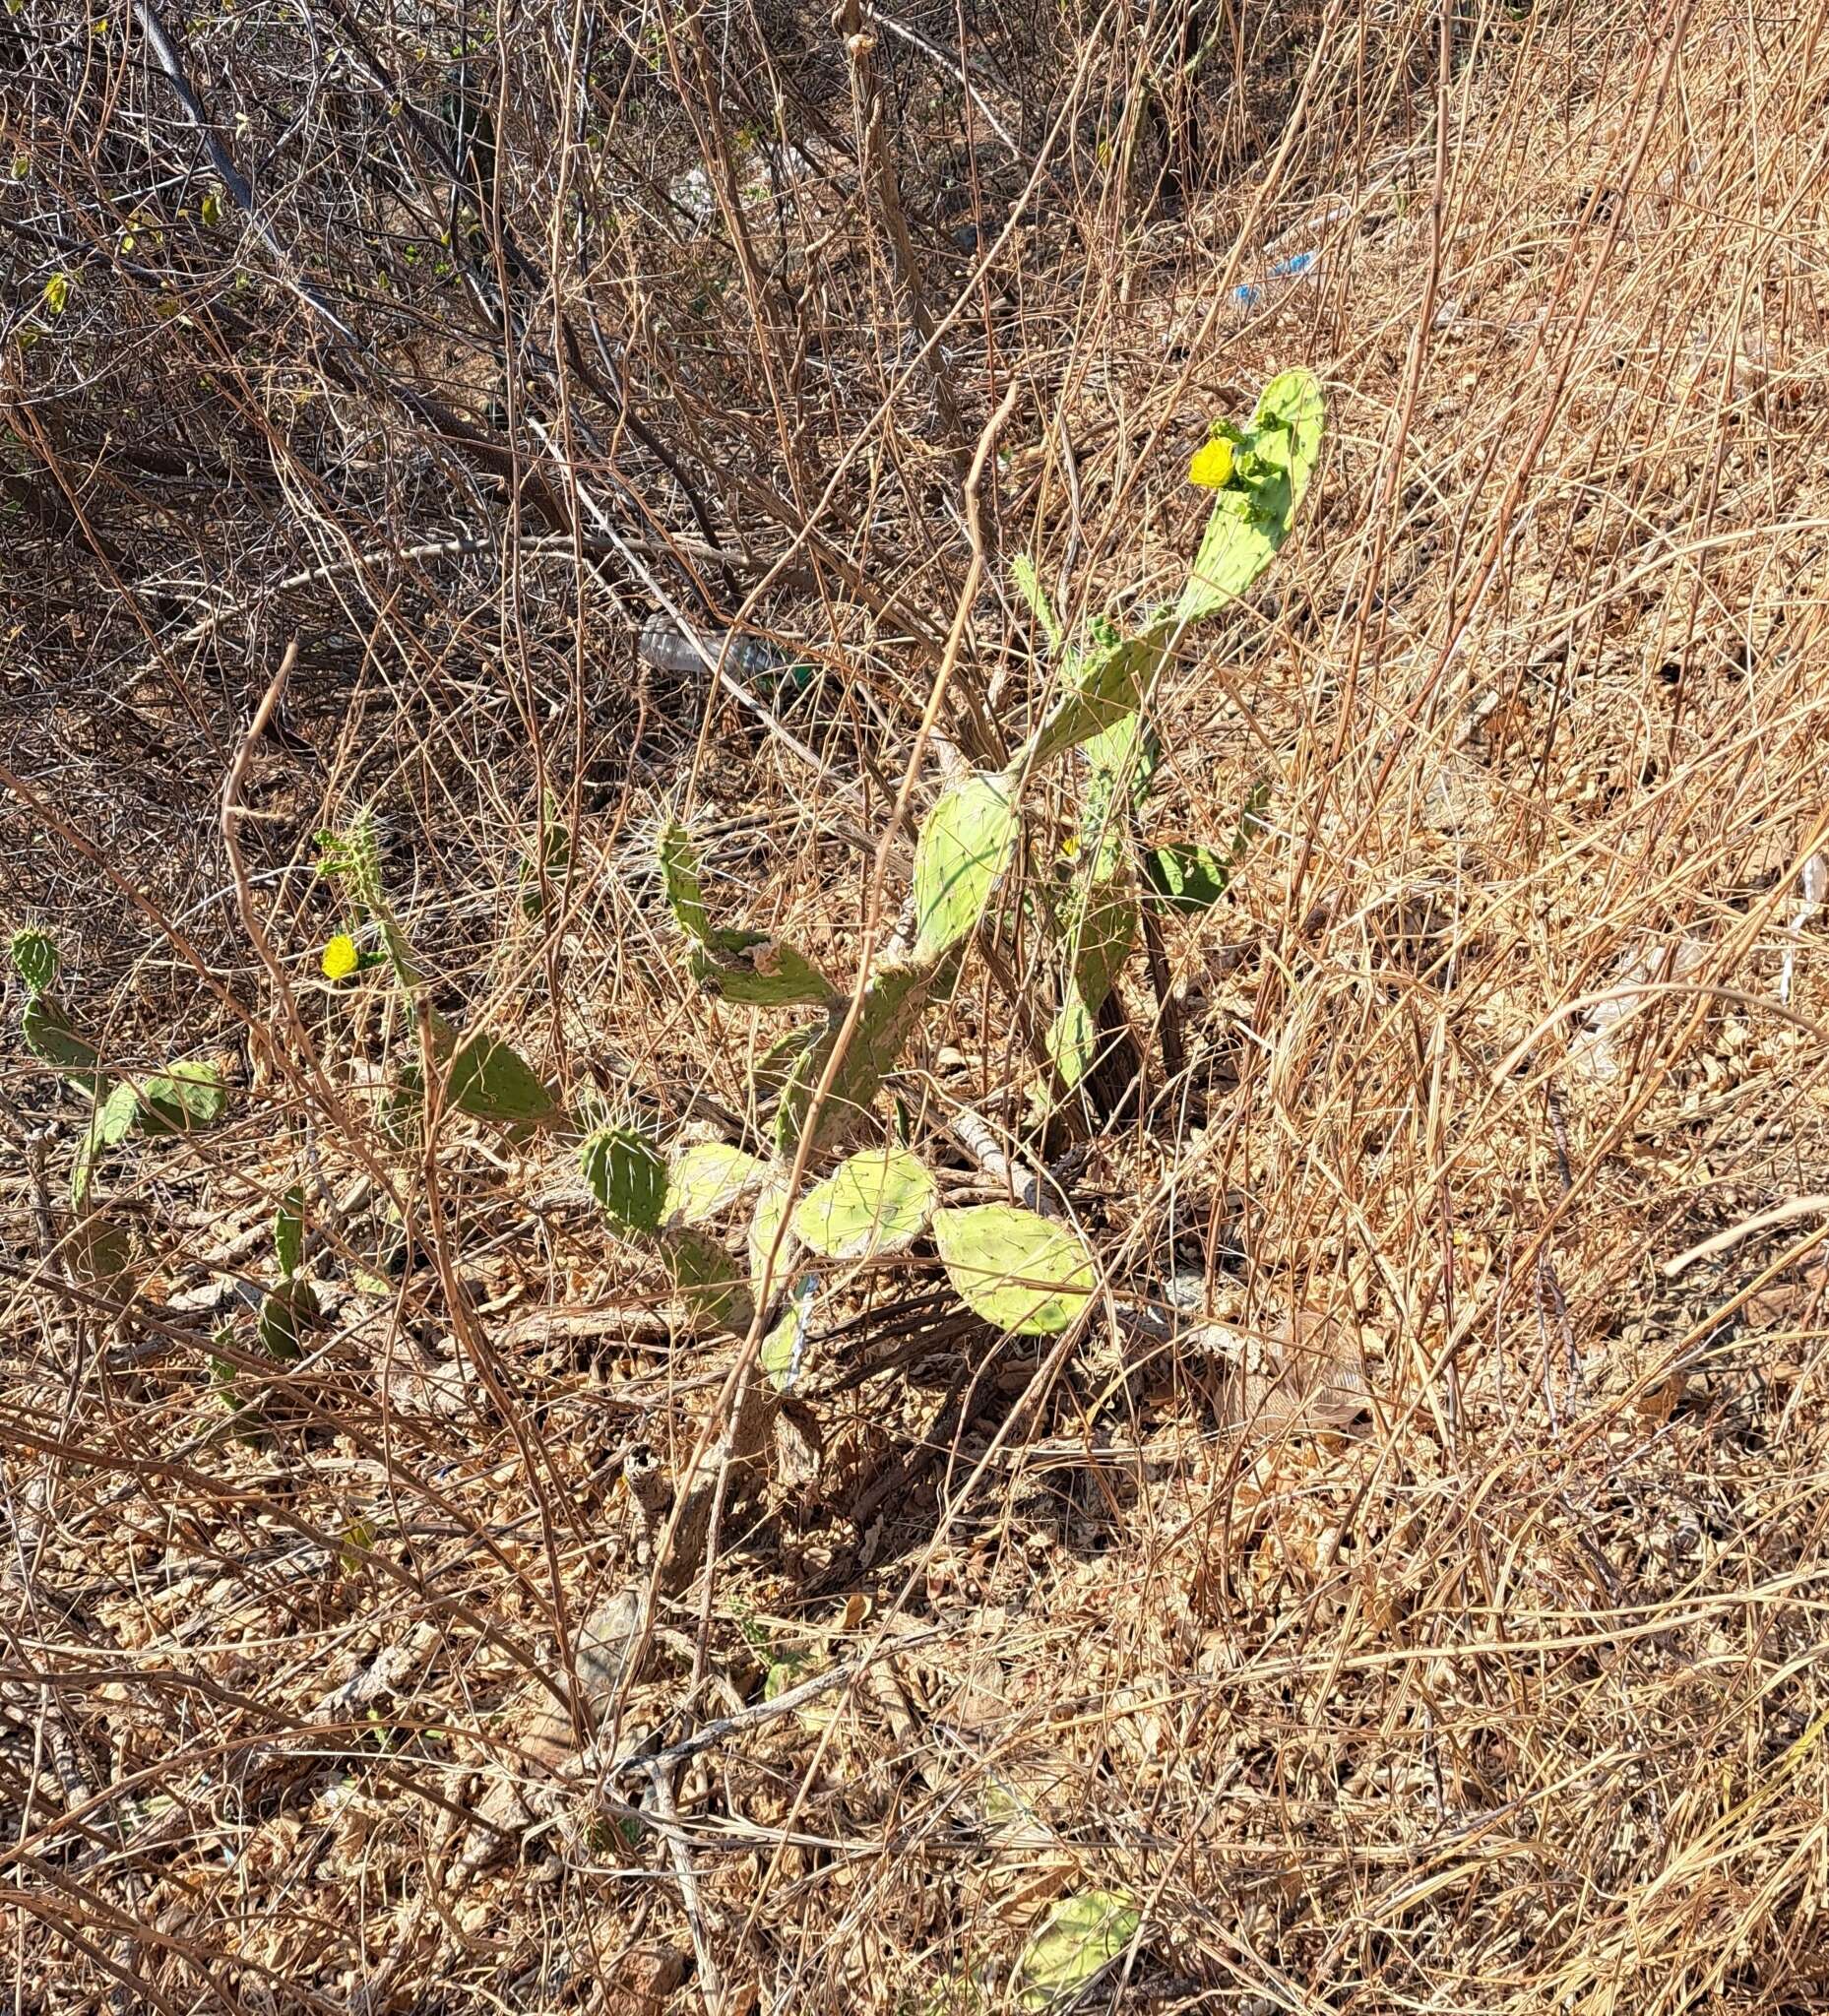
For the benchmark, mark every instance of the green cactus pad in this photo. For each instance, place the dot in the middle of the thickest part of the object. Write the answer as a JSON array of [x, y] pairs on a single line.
[[784, 1346], [1128, 753], [755, 970], [680, 875], [35, 954], [892, 1007], [290, 1308], [1252, 515], [966, 843], [1029, 586], [874, 1202], [1106, 687], [1100, 940], [1079, 1938], [772, 1069], [765, 1222], [289, 1230], [627, 1175], [1027, 1273], [1190, 878], [709, 1281], [708, 1179], [490, 1080], [50, 1038], [101, 1253], [176, 1102]]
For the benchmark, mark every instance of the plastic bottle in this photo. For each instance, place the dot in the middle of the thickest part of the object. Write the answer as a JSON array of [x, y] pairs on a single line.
[[671, 646]]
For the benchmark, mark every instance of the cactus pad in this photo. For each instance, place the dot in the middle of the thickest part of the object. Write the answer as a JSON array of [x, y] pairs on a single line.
[[873, 1202], [708, 1179], [784, 1346], [490, 1080], [289, 1230], [710, 1283], [966, 843], [628, 1178], [680, 875], [1251, 515], [770, 1208], [1027, 1273], [1029, 586], [50, 1038], [35, 954], [892, 1007], [756, 970], [290, 1308], [1190, 878], [1106, 687]]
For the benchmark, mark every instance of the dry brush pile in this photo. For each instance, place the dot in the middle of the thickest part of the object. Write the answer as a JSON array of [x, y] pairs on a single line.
[[1052, 1287]]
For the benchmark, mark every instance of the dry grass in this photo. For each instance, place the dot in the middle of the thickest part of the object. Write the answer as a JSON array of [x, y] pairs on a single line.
[[1434, 1622]]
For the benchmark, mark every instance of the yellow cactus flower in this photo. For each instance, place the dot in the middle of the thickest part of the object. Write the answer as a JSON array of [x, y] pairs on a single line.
[[1211, 464], [341, 958]]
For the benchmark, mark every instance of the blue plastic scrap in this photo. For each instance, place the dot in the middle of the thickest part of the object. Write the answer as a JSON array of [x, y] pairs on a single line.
[[1292, 268]]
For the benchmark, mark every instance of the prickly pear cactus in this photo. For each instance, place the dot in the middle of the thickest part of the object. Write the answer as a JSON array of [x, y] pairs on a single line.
[[490, 1080], [1260, 492], [35, 954], [966, 843], [874, 1202], [1187, 876], [352, 861], [287, 1311], [1027, 1273], [892, 1008], [1098, 922], [1103, 688], [710, 1283], [627, 1175], [746, 966], [50, 1038], [704, 1180]]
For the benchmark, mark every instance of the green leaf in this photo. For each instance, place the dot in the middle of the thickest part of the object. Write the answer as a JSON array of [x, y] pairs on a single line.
[[1028, 582], [1027, 1273], [1106, 687], [627, 1175], [679, 872], [892, 1007], [704, 1180], [1129, 752], [35, 954], [1252, 515], [756, 970], [1079, 1937], [289, 1230], [57, 292], [873, 1202], [709, 1281], [966, 843], [1190, 878]]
